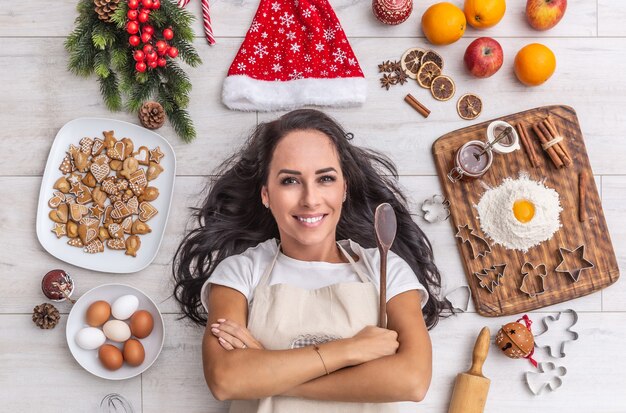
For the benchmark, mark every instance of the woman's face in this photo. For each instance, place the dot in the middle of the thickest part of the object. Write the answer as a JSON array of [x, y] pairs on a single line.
[[305, 188]]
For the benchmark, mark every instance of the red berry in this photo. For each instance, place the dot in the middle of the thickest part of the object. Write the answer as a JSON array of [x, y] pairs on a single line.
[[143, 17], [132, 27], [156, 4], [132, 14], [139, 56], [172, 52], [146, 28], [168, 34], [151, 57], [147, 48], [152, 64], [133, 4], [147, 4], [145, 37], [134, 40], [161, 62], [140, 67], [161, 46]]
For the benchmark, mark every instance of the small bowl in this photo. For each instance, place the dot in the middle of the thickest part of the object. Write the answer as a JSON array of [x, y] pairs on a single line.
[[88, 359]]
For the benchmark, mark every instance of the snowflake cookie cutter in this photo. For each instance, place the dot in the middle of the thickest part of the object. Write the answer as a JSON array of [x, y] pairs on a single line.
[[436, 209], [547, 321], [491, 284], [479, 247], [584, 264], [538, 271], [459, 298], [536, 385]]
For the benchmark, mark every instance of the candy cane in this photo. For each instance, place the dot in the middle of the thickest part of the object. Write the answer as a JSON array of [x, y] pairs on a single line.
[[206, 18]]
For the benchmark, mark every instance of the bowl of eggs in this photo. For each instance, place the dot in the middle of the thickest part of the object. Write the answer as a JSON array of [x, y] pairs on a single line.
[[115, 331]]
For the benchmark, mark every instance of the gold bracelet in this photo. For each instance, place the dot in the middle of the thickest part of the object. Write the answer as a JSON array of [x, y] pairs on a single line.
[[317, 350]]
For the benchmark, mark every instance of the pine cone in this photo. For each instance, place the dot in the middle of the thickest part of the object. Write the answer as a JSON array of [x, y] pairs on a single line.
[[152, 115], [46, 316], [105, 9]]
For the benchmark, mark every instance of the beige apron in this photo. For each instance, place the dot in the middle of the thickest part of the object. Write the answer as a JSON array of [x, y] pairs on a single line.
[[283, 317]]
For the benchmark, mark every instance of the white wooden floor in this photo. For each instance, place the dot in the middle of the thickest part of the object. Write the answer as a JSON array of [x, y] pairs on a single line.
[[38, 96]]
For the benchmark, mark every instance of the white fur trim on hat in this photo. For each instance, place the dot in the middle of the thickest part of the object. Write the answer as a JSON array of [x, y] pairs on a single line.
[[242, 92]]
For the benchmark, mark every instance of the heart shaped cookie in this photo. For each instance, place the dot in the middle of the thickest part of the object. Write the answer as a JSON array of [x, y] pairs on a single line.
[[146, 211], [143, 155], [100, 172]]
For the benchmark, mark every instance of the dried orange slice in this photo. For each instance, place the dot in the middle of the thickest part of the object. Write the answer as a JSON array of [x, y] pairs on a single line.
[[411, 61], [442, 88], [469, 106], [432, 56], [427, 73]]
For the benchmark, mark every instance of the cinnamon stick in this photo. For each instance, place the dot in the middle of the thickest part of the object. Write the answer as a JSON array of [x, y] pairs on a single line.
[[551, 152], [583, 182], [550, 125], [557, 148], [530, 152], [415, 104]]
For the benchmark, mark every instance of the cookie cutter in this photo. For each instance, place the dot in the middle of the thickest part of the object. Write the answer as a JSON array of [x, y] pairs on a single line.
[[574, 272], [552, 319], [436, 209], [491, 284], [467, 236], [542, 275], [459, 298], [545, 368]]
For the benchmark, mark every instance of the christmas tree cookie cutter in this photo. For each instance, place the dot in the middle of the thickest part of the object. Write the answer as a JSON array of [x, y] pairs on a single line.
[[536, 381], [531, 273], [583, 263], [459, 298], [436, 209], [490, 283], [547, 336], [479, 247]]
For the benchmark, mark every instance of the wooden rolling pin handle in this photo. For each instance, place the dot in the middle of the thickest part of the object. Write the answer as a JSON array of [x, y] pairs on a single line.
[[481, 348]]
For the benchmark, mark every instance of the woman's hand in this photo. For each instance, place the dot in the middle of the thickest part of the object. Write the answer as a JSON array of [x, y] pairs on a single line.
[[373, 342], [232, 336]]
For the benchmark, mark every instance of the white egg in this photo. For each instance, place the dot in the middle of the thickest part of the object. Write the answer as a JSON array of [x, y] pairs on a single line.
[[124, 307], [116, 330], [90, 338]]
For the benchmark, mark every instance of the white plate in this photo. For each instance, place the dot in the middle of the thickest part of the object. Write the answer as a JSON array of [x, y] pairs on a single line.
[[110, 260], [88, 359]]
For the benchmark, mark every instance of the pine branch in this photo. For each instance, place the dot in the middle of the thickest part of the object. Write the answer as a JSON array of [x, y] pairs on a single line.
[[101, 64], [103, 36], [119, 15], [178, 117], [82, 54], [180, 20], [142, 91], [110, 91], [186, 52]]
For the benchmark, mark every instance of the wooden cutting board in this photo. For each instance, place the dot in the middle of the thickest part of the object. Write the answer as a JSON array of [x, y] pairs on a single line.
[[507, 298]]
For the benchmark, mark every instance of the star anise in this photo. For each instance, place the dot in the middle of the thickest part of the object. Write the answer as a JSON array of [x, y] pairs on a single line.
[[395, 66], [401, 77], [385, 67], [387, 81]]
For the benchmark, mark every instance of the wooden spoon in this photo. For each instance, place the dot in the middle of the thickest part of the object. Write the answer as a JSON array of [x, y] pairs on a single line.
[[385, 225]]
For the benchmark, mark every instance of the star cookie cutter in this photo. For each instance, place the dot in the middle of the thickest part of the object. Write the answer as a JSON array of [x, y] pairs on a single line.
[[479, 247], [550, 320], [486, 281], [436, 209], [527, 281], [536, 380], [459, 298], [580, 255]]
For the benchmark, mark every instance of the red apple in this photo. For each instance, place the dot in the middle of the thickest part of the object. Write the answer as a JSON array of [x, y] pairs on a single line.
[[545, 14], [483, 57]]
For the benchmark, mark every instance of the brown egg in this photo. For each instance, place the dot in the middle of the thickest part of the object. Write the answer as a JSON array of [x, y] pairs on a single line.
[[141, 324], [134, 353], [110, 357], [98, 313]]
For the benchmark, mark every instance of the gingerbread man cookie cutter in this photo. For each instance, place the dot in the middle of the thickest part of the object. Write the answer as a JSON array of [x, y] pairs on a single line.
[[545, 336], [536, 382]]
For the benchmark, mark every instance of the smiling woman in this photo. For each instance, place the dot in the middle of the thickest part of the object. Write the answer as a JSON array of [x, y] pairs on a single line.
[[283, 271]]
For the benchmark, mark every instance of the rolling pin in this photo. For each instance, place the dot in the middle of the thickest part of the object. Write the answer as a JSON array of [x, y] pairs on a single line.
[[471, 387]]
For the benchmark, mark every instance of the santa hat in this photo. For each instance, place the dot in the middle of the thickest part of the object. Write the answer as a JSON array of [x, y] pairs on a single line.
[[295, 53]]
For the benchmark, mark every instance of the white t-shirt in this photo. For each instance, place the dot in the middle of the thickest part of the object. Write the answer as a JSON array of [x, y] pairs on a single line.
[[243, 272]]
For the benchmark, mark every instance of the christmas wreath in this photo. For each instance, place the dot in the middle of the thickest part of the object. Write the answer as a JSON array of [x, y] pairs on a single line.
[[132, 46]]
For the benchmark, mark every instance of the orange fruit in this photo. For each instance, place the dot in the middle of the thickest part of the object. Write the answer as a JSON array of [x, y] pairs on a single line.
[[482, 14], [534, 64], [443, 23]]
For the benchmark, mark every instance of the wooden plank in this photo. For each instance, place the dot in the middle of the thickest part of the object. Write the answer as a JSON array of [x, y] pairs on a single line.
[[611, 15], [613, 201], [507, 298]]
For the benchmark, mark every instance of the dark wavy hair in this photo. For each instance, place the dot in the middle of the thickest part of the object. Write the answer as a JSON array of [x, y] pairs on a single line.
[[233, 218]]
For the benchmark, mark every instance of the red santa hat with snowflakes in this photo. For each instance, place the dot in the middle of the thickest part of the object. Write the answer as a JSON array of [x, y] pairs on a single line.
[[294, 54]]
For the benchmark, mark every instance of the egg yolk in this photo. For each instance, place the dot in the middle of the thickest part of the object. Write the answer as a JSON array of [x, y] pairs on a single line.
[[523, 210]]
